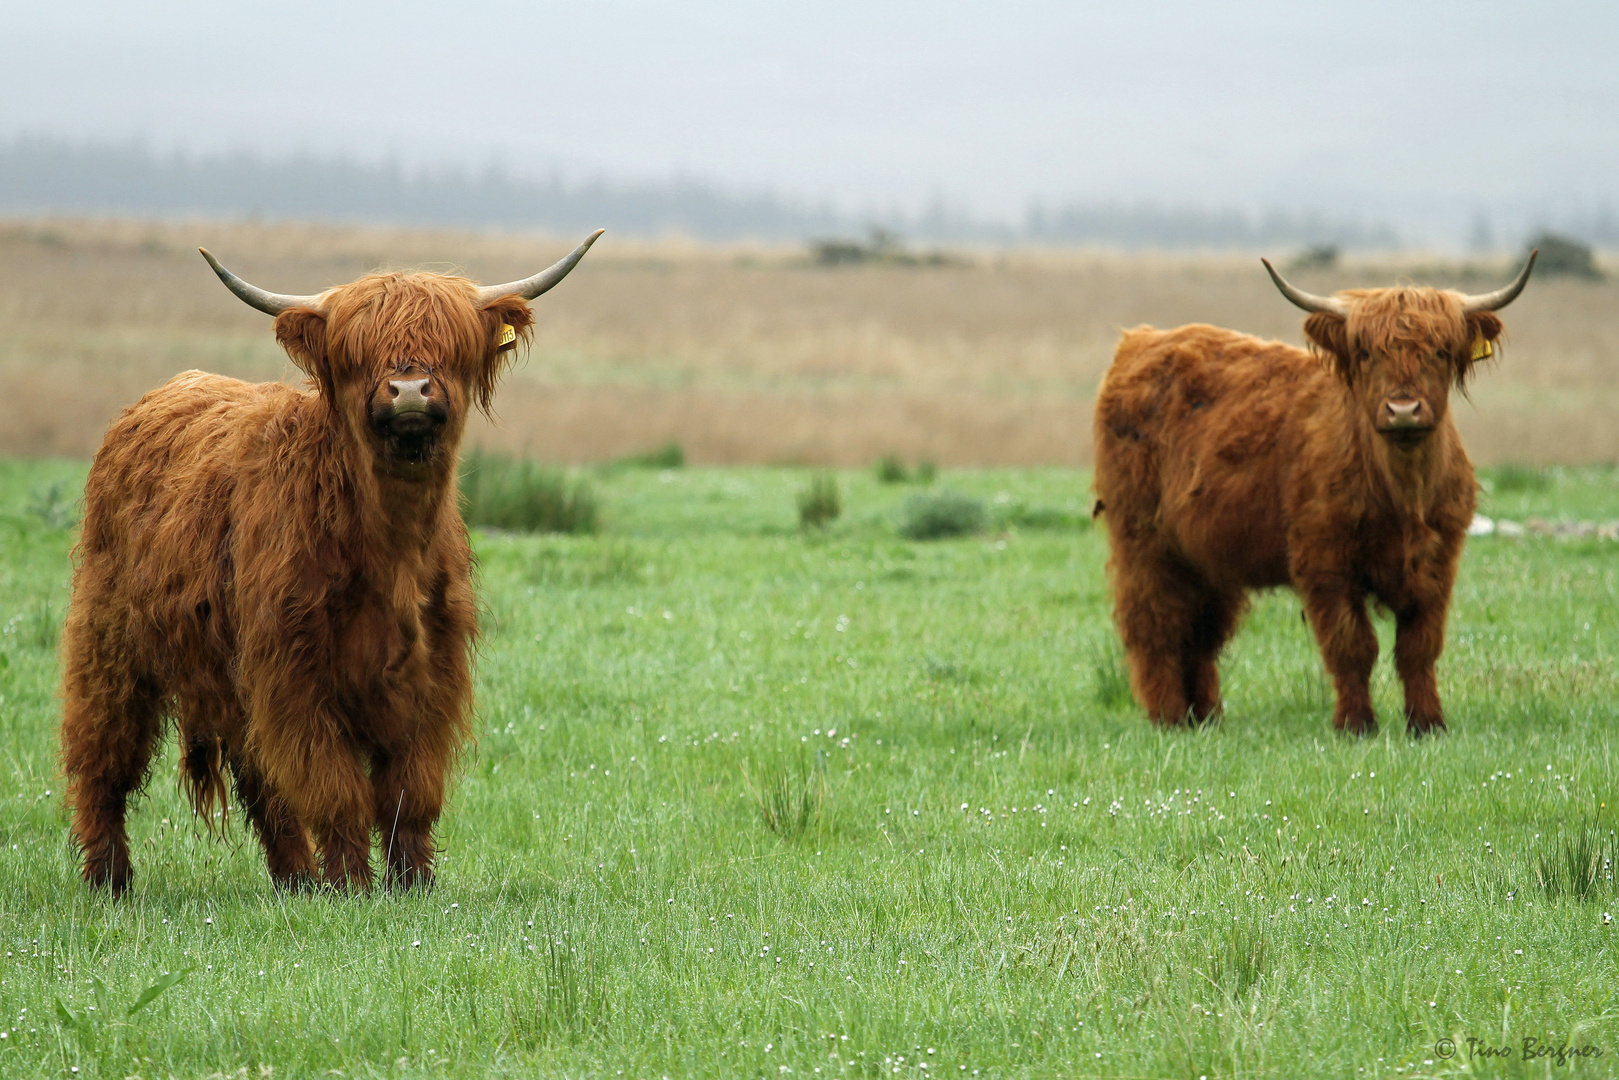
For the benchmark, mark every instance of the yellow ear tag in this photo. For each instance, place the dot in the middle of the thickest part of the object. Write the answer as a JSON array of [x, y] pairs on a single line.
[[508, 338], [1482, 350]]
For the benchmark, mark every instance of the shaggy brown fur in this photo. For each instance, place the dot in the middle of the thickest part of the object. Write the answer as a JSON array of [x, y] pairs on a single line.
[[1225, 463], [286, 574]]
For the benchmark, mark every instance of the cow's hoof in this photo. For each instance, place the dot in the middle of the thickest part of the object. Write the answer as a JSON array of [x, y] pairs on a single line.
[[1170, 720], [351, 880], [114, 875], [1417, 727], [298, 881], [1360, 727]]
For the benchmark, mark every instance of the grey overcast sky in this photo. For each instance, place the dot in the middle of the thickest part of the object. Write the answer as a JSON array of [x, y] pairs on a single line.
[[1398, 111]]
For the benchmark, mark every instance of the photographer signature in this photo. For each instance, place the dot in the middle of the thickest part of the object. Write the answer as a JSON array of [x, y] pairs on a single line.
[[1530, 1049]]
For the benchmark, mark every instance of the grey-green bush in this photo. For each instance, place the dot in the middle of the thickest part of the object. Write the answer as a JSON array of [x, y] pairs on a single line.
[[524, 496], [820, 503], [891, 470], [936, 515], [668, 456]]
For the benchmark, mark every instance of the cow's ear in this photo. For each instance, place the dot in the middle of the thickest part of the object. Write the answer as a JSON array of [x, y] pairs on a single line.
[[507, 324], [1330, 334], [302, 332], [1484, 343]]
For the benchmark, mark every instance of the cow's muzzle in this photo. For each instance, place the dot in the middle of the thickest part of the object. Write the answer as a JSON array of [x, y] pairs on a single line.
[[1404, 420], [408, 411]]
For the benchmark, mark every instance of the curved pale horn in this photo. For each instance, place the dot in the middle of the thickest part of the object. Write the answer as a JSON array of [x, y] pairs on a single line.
[[529, 288], [1500, 298], [1308, 301], [254, 297]]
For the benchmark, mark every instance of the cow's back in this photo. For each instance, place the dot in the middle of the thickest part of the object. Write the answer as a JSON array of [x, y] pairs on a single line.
[[157, 521], [1196, 431]]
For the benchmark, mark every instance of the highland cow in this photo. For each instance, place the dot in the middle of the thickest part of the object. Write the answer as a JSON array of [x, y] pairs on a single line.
[[285, 574], [1225, 463]]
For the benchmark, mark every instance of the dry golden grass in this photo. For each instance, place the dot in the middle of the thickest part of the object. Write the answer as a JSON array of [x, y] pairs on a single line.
[[742, 355]]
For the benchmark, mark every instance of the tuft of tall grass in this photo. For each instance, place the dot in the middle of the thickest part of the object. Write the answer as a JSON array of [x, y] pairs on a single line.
[[1504, 479], [54, 505], [939, 669], [1022, 516], [1110, 681], [790, 797], [570, 1001], [518, 495], [1240, 960], [820, 503], [671, 455], [941, 514], [1581, 865], [602, 563], [37, 627], [891, 470]]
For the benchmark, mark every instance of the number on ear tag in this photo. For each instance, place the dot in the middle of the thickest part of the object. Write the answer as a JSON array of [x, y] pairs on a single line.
[[508, 338]]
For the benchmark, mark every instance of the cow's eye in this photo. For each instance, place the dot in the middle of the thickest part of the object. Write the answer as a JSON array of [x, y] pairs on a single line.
[[1364, 355]]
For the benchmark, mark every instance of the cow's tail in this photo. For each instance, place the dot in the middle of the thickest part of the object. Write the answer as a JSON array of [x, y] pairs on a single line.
[[203, 778]]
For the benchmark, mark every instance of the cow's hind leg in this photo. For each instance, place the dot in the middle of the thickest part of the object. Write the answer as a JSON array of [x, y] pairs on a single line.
[[1213, 623], [1155, 607], [111, 720], [286, 847]]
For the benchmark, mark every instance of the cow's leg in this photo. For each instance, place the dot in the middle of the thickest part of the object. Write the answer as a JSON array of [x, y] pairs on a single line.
[[1419, 638], [111, 720], [408, 793], [286, 847], [343, 819], [304, 757], [1349, 647], [409, 774], [344, 835], [1213, 623], [1155, 609]]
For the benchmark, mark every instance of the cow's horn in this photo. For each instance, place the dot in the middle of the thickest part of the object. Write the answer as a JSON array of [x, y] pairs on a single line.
[[1308, 301], [1500, 298], [529, 288], [268, 302]]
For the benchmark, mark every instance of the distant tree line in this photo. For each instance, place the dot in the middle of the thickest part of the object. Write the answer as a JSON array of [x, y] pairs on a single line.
[[1120, 225], [48, 175]]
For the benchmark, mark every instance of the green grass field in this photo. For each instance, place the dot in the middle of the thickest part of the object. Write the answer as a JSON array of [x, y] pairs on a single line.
[[755, 803]]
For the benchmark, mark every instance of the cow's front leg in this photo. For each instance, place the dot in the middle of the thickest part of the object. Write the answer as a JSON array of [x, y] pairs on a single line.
[[1419, 638], [321, 779], [1337, 614], [407, 790], [286, 848], [343, 833]]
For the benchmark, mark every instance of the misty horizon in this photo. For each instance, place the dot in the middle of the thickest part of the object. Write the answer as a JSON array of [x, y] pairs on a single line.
[[43, 177], [1434, 123]]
